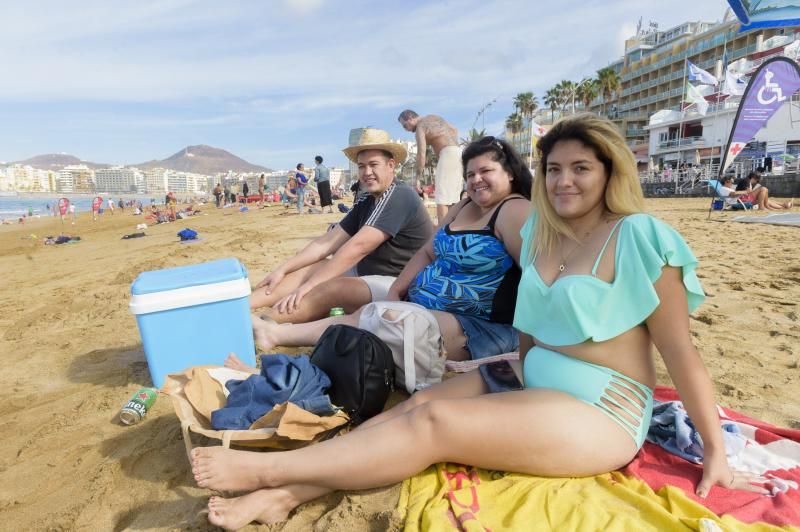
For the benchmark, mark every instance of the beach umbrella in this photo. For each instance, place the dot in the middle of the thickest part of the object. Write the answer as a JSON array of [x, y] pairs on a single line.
[[766, 13]]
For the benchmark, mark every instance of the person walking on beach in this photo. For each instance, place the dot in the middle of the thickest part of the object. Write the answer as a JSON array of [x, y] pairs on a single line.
[[443, 137], [369, 247], [261, 183], [111, 206], [245, 192], [322, 176]]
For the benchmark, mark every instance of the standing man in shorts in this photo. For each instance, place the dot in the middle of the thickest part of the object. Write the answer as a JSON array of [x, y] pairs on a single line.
[[443, 137]]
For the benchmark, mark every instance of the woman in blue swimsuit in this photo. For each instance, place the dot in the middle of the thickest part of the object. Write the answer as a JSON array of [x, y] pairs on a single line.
[[602, 283], [467, 274]]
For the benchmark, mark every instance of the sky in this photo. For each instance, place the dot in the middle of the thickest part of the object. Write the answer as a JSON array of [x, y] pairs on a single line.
[[279, 82]]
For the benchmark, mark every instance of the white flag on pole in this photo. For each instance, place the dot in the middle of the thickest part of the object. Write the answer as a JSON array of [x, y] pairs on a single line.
[[537, 130], [698, 74], [694, 96], [734, 84]]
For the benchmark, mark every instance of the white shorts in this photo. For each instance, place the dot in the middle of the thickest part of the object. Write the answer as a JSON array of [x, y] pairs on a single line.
[[449, 176], [378, 285]]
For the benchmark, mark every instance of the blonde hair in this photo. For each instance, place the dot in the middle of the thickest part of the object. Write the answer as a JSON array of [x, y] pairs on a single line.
[[623, 193]]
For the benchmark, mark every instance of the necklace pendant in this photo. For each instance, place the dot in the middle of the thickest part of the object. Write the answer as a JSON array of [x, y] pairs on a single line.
[[561, 267]]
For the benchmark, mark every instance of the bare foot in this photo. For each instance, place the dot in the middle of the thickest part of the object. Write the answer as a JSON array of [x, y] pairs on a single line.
[[222, 469], [265, 506], [788, 205], [234, 362], [263, 332]]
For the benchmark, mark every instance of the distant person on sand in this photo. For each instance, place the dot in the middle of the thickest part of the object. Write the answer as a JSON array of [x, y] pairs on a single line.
[[111, 206], [72, 212], [245, 192], [290, 190], [261, 184], [218, 195], [302, 181], [322, 176], [369, 247], [443, 137]]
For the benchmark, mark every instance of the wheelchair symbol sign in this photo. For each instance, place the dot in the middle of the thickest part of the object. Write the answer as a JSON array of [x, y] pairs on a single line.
[[767, 88]]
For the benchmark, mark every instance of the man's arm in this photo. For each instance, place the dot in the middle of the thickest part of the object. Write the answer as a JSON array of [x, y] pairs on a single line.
[[315, 251], [422, 148], [356, 248]]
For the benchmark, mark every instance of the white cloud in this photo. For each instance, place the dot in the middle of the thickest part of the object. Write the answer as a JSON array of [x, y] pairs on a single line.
[[299, 64], [303, 7]]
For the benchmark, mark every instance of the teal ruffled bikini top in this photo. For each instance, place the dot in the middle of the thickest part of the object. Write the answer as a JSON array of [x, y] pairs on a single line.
[[576, 308]]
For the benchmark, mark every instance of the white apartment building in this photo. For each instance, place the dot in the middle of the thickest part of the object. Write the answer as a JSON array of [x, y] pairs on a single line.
[[186, 183], [696, 139], [6, 183], [76, 178], [156, 180], [117, 179]]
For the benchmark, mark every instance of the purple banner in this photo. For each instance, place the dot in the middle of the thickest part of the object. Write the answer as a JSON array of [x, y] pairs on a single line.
[[770, 87]]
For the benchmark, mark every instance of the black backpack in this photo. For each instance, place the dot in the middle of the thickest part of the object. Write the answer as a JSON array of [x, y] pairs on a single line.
[[360, 367]]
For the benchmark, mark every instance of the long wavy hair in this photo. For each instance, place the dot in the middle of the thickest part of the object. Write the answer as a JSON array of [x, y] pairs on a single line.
[[623, 194], [503, 153]]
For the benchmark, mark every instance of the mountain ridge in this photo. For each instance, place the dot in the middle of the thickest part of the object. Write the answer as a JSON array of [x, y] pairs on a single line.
[[197, 159]]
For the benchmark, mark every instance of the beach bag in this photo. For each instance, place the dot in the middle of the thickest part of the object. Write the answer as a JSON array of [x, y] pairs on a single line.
[[412, 333], [197, 391], [360, 368]]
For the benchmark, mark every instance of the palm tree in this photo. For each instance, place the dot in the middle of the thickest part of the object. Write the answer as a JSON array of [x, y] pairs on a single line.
[[608, 83], [526, 103], [472, 136], [566, 92], [514, 123], [587, 91], [551, 99]]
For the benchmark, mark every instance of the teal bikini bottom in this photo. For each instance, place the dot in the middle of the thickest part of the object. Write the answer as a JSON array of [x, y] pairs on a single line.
[[625, 401]]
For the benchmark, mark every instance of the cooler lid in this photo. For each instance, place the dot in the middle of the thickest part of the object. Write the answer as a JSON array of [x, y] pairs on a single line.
[[218, 271]]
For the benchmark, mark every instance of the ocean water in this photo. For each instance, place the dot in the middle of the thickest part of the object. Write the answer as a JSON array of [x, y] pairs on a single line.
[[16, 206]]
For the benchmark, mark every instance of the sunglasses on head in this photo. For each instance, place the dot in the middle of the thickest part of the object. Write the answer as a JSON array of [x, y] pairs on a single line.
[[491, 141]]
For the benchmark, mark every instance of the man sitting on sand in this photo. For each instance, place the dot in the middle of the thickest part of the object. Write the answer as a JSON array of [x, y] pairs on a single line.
[[370, 246], [443, 138]]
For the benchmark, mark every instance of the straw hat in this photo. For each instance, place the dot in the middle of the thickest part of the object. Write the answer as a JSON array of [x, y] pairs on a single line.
[[376, 139]]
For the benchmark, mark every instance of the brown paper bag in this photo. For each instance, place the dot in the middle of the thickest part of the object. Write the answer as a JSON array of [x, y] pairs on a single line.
[[195, 394]]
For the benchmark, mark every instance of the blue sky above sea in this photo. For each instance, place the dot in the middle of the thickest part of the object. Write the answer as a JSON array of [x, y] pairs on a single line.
[[279, 82]]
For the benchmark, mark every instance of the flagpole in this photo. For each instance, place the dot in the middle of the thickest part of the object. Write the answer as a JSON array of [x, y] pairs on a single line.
[[680, 126], [719, 90]]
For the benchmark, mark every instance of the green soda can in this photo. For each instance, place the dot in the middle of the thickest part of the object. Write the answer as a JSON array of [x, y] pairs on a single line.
[[138, 405], [336, 311]]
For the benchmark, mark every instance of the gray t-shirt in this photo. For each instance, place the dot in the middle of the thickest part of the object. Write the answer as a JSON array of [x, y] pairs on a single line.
[[321, 173], [399, 213]]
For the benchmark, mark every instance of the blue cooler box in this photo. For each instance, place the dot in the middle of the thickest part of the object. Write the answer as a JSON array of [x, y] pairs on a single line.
[[193, 315]]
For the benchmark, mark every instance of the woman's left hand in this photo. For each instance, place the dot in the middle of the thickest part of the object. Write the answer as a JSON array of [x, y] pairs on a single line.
[[716, 472]]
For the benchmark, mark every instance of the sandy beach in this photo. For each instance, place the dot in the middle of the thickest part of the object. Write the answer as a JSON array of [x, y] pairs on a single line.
[[73, 357]]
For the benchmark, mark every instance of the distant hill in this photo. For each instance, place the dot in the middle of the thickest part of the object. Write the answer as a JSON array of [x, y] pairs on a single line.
[[57, 161], [204, 159], [201, 159]]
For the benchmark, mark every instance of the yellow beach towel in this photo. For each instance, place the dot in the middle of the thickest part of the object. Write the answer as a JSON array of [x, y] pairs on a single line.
[[448, 497]]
